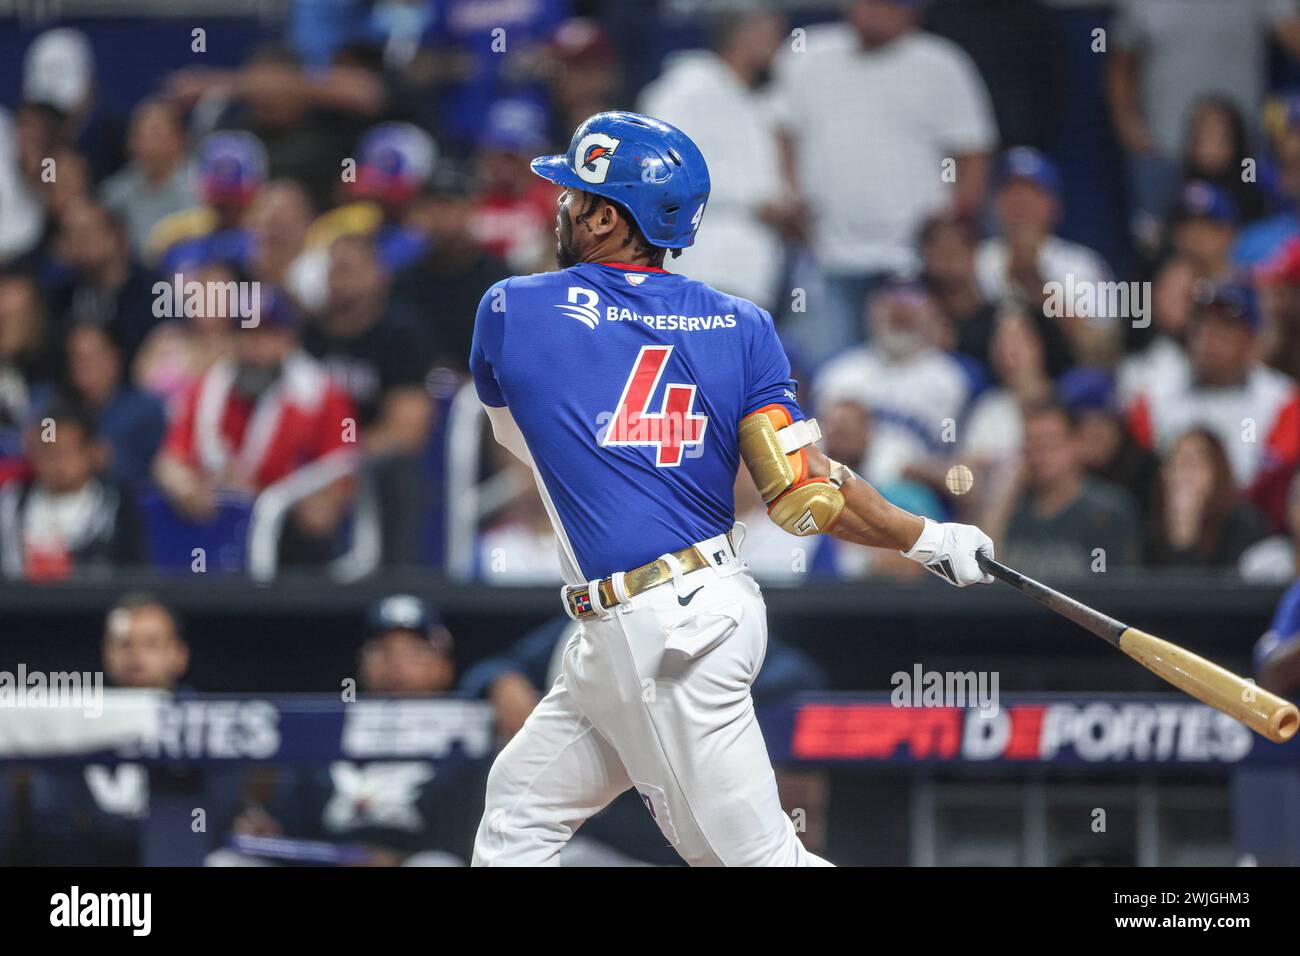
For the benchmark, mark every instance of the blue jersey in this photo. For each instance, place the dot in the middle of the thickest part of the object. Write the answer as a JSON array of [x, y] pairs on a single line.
[[628, 385]]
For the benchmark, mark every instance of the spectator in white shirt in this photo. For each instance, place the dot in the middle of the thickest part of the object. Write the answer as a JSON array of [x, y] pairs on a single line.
[[1027, 257], [914, 390], [714, 98], [1252, 409], [883, 125]]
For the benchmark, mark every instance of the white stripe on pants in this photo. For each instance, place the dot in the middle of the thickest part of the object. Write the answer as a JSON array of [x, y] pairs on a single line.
[[655, 696]]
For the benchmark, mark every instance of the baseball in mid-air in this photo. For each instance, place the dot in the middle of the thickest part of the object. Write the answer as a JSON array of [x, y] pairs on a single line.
[[959, 479]]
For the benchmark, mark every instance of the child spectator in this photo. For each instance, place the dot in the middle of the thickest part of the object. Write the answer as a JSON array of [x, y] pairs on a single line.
[[66, 519]]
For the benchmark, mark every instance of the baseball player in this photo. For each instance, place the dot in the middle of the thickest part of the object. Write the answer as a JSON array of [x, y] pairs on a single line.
[[633, 393]]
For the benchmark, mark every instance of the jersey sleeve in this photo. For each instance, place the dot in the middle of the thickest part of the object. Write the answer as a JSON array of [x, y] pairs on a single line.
[[769, 372], [485, 351]]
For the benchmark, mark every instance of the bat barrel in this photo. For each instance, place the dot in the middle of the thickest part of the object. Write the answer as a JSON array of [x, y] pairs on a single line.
[[1259, 709], [1262, 711]]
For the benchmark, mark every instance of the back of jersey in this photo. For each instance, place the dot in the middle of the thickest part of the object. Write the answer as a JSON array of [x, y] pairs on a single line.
[[628, 384]]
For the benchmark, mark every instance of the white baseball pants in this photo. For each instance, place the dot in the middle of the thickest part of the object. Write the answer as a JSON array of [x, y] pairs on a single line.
[[654, 695]]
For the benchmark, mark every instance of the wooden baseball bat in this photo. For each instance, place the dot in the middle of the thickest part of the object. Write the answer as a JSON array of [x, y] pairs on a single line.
[[1261, 711]]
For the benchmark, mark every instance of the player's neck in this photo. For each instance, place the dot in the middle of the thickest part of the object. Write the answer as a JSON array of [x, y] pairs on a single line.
[[622, 256]]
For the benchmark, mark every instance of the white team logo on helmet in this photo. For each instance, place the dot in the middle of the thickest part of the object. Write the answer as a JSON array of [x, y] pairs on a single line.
[[582, 306], [591, 157]]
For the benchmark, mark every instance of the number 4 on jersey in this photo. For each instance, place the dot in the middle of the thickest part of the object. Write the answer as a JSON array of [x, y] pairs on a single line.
[[670, 429]]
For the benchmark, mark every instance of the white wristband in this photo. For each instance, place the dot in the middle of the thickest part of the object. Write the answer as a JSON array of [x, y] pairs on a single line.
[[928, 544]]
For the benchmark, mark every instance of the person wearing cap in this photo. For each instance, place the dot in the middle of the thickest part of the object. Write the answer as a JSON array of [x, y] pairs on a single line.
[[59, 75], [872, 111], [1026, 253], [514, 211], [1254, 410], [909, 384], [1106, 447], [407, 650], [713, 95], [1203, 228], [389, 812], [443, 288], [231, 170], [394, 162], [254, 418]]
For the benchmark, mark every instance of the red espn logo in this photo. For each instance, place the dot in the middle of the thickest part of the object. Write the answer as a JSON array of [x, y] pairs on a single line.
[[876, 731]]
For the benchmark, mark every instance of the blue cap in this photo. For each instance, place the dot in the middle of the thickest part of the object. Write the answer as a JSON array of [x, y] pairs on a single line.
[[514, 125], [1024, 162], [401, 612], [1087, 390], [232, 166], [1202, 200], [1235, 299], [643, 163], [395, 160]]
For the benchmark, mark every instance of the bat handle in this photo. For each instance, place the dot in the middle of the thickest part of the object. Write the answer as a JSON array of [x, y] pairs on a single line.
[[997, 569]]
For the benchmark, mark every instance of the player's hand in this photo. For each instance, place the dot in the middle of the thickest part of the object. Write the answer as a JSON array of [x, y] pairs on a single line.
[[949, 551]]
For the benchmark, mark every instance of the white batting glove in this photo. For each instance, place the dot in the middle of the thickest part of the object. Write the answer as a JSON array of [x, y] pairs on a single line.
[[949, 551]]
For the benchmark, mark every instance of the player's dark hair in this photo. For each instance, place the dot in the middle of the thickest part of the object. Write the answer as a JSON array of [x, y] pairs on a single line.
[[635, 238]]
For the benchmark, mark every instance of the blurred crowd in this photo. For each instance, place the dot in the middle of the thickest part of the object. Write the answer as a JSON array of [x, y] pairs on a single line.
[[259, 284]]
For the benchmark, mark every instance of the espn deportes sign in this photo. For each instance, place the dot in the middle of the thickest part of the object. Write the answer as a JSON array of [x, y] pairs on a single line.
[[1084, 731], [205, 728]]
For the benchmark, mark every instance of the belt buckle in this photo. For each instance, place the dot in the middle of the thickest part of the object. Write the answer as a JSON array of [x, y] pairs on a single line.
[[577, 601]]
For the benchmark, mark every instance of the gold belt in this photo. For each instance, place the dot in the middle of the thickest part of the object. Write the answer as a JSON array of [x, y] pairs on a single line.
[[577, 597]]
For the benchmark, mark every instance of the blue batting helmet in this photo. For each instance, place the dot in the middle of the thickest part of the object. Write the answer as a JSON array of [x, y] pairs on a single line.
[[651, 168]]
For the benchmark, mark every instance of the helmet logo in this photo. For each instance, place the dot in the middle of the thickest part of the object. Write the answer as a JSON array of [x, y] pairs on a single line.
[[591, 157]]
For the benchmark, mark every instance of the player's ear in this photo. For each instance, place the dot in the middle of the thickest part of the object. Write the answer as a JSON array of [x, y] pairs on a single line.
[[607, 219]]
